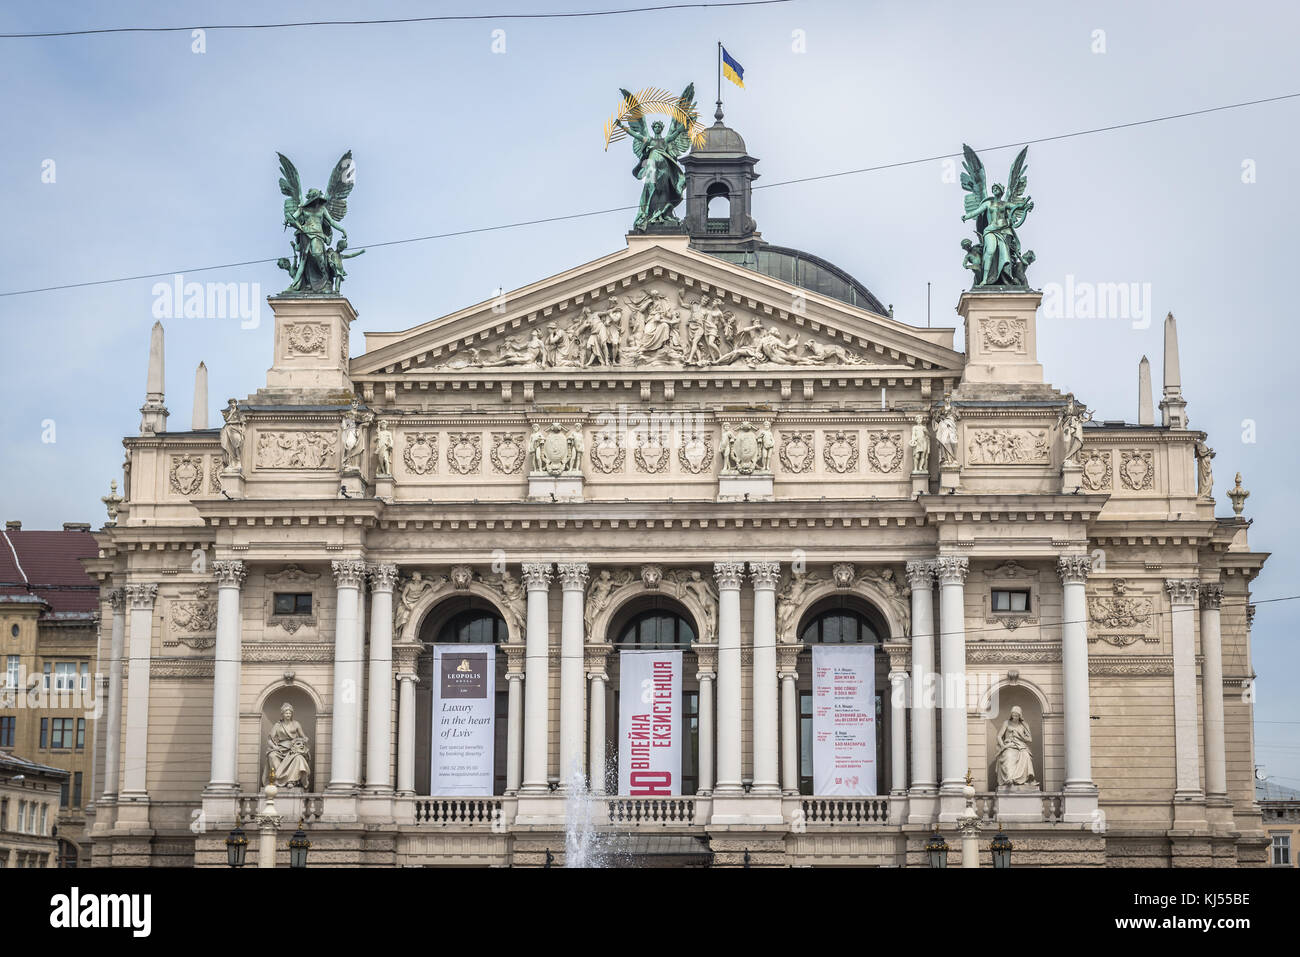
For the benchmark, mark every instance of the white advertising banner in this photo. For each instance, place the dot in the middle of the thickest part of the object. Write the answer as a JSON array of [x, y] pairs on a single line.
[[464, 718], [650, 723], [844, 719]]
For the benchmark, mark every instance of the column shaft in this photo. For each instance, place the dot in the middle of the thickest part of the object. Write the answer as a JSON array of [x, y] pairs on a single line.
[[706, 738], [596, 761], [141, 598], [225, 678], [789, 733], [898, 732], [921, 577], [765, 706], [537, 579], [1073, 570], [573, 691], [952, 649], [728, 575], [379, 731], [514, 730], [113, 719], [406, 734], [1182, 600], [1216, 770], [347, 652]]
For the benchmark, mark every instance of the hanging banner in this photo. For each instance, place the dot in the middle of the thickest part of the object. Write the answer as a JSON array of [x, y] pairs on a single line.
[[464, 718], [649, 723], [844, 719]]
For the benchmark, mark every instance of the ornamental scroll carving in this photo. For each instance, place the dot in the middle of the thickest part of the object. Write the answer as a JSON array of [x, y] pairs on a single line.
[[840, 451], [295, 450], [607, 452], [652, 455], [420, 453], [696, 453], [194, 621], [509, 450], [1096, 471], [464, 452], [186, 474], [885, 450], [796, 451], [307, 338], [1121, 619], [1003, 333], [1007, 446], [1137, 469]]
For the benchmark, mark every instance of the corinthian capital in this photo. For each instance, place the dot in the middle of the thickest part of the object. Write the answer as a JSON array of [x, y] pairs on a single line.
[[1073, 569], [921, 574], [348, 572], [116, 598], [765, 574], [537, 575], [229, 574], [951, 570], [1182, 591], [573, 575], [141, 596], [383, 577], [1211, 594], [728, 574]]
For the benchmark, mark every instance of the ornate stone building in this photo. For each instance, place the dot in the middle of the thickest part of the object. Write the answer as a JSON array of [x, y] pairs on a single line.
[[703, 442]]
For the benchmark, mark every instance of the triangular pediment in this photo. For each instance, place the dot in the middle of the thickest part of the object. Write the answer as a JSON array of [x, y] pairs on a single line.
[[657, 306]]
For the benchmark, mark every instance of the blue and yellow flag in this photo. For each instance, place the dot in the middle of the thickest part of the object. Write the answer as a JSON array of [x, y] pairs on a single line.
[[732, 70]]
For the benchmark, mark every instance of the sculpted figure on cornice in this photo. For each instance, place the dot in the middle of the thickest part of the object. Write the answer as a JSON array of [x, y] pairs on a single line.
[[412, 590], [1204, 470], [232, 436], [355, 422], [700, 588], [646, 328], [600, 592], [1070, 423], [943, 418], [790, 599], [383, 449], [512, 595], [896, 593], [920, 445]]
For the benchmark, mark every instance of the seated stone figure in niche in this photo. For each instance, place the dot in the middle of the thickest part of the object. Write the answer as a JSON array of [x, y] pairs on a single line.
[[288, 753], [1014, 762]]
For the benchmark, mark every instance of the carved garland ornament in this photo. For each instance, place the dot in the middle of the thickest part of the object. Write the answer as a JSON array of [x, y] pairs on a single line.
[[651, 455], [1120, 614], [421, 452], [796, 451], [885, 450], [186, 474], [607, 453], [464, 452], [509, 450], [306, 338], [1003, 333], [194, 621], [696, 453], [840, 451], [214, 475], [1137, 469], [1096, 471]]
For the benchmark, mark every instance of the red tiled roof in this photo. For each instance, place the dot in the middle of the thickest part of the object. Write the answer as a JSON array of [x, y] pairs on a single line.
[[48, 565]]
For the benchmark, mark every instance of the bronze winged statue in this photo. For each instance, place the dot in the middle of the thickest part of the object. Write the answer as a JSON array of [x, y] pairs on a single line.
[[658, 156], [317, 266], [996, 258]]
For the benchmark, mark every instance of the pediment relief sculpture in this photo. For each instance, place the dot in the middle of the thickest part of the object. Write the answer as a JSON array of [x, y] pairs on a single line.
[[1007, 446]]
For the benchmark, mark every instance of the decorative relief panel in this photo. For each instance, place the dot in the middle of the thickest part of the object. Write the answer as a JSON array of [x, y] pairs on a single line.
[[796, 451], [695, 453], [214, 475], [885, 450], [1003, 333], [1096, 471], [193, 622], [840, 451], [295, 450], [509, 451], [652, 454], [420, 453], [306, 338], [464, 452], [1137, 469], [1007, 446], [607, 452], [186, 474], [1121, 619]]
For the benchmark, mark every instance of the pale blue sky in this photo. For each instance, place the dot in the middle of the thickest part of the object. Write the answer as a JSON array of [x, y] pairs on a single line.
[[165, 160]]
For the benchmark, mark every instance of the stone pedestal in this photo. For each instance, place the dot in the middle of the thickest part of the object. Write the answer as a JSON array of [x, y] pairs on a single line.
[[384, 488], [920, 483], [1001, 337], [755, 487], [311, 343], [1071, 478], [351, 482], [1020, 805], [232, 482], [543, 487], [949, 478]]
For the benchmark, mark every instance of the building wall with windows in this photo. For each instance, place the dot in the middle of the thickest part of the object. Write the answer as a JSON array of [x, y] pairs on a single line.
[[29, 812], [1280, 808]]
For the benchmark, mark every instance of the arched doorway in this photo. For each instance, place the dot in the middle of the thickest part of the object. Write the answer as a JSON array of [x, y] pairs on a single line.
[[655, 623], [718, 208], [468, 620], [842, 620]]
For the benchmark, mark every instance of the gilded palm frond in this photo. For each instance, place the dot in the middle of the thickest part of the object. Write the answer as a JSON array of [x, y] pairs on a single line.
[[637, 106]]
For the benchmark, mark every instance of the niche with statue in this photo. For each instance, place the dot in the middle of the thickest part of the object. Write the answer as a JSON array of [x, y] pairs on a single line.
[[288, 738], [1015, 741]]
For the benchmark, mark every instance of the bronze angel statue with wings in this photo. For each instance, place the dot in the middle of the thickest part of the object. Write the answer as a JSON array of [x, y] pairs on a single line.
[[317, 267], [996, 258], [658, 156]]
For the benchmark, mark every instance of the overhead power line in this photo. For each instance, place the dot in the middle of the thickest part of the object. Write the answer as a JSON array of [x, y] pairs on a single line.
[[617, 209], [446, 18]]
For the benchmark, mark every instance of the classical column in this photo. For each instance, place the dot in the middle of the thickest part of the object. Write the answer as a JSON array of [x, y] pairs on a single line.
[[1182, 601], [898, 732], [537, 579], [141, 599], [573, 586], [1216, 772], [225, 678], [920, 576], [728, 575], [951, 572], [706, 655], [379, 719], [596, 760], [406, 732], [1073, 570], [765, 713], [788, 675], [515, 663], [113, 720], [348, 574]]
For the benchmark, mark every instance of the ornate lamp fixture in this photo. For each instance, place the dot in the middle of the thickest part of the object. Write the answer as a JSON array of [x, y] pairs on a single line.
[[298, 847], [236, 846], [1001, 848], [937, 850]]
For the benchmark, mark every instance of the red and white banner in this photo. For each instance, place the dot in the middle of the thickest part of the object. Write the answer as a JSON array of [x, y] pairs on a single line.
[[464, 719], [844, 719], [650, 723]]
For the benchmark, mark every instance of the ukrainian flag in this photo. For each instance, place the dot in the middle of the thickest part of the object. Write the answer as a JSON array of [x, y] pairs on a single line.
[[732, 70]]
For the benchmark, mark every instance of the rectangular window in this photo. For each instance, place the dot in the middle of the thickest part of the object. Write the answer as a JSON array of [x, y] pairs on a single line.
[[44, 809], [45, 685], [45, 732], [11, 671], [81, 733], [691, 741], [65, 676], [6, 736], [85, 676], [76, 789], [63, 794], [1281, 850], [292, 603], [60, 732], [805, 742], [1008, 600]]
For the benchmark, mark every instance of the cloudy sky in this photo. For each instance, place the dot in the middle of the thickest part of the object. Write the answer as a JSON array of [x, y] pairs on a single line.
[[161, 151]]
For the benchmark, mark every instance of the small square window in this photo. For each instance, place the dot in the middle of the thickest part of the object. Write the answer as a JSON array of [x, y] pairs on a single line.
[[292, 603], [1005, 599]]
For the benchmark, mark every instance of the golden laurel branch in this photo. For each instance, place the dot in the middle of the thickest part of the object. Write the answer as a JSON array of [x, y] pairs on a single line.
[[653, 100]]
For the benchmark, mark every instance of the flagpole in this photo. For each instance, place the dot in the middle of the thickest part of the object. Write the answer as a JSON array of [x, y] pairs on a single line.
[[719, 76]]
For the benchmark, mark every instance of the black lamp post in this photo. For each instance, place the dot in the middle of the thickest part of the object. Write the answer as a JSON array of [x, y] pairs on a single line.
[[298, 847], [549, 858], [236, 846], [937, 850], [1001, 848]]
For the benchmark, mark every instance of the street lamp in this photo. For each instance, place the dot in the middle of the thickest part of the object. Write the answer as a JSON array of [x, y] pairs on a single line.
[[937, 850], [298, 847], [236, 846], [1001, 848]]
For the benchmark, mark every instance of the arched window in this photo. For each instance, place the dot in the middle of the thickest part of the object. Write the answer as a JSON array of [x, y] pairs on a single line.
[[718, 208], [475, 627], [657, 628], [839, 626]]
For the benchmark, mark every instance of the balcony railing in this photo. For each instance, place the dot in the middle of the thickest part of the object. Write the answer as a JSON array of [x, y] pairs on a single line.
[[845, 812], [640, 811], [459, 811]]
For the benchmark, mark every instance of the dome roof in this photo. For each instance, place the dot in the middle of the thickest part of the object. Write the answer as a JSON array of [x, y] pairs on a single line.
[[720, 139]]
